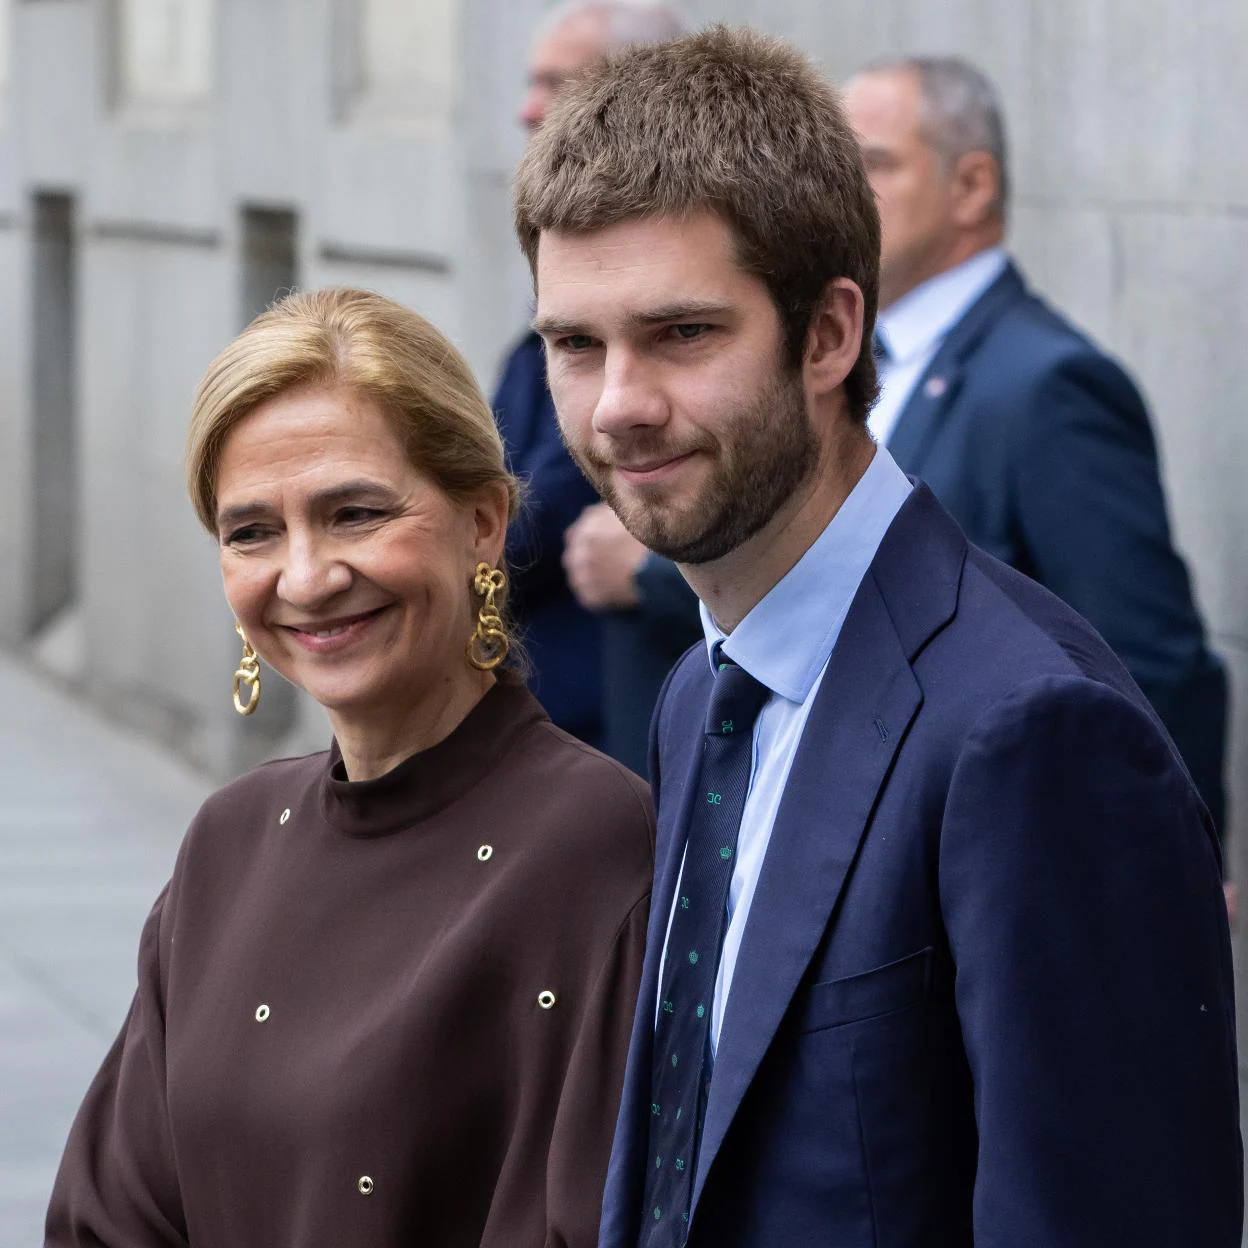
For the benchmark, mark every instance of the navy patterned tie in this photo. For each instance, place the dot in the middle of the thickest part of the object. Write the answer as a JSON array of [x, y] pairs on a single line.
[[681, 1072]]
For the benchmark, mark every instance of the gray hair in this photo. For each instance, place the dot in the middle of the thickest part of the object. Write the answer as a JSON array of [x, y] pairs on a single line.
[[627, 22], [961, 111]]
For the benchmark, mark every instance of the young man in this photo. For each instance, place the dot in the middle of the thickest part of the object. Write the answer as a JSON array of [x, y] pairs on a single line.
[[937, 949]]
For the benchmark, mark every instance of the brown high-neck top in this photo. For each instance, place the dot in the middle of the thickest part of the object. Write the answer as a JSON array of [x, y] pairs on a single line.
[[393, 1012]]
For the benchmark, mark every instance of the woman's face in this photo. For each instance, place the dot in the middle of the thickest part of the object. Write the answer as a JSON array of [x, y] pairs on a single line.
[[348, 569]]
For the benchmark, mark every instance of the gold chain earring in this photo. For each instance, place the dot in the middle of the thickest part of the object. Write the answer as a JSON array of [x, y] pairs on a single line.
[[488, 645], [248, 674]]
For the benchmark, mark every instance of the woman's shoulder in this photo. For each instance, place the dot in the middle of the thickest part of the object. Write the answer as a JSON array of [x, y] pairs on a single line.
[[235, 802], [573, 785]]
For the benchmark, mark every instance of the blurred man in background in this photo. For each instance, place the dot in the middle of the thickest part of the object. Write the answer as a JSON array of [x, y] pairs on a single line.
[[563, 637], [1036, 440]]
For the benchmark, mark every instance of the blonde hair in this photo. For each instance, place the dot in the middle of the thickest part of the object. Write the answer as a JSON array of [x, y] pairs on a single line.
[[728, 120], [373, 347]]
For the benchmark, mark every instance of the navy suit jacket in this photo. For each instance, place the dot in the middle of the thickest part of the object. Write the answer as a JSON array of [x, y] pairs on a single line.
[[563, 640], [984, 995], [1041, 447]]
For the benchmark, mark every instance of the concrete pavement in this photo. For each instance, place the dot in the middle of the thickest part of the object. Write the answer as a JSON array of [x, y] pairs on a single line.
[[90, 820]]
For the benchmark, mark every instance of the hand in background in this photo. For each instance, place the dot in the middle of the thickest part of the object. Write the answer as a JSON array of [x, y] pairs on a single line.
[[601, 559]]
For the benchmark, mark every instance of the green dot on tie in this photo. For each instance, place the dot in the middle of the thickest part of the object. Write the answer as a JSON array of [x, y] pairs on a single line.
[[701, 1011], [658, 1163], [725, 852], [656, 1110], [658, 1213], [684, 903], [693, 957], [679, 1111], [680, 1163], [668, 1007], [675, 1059]]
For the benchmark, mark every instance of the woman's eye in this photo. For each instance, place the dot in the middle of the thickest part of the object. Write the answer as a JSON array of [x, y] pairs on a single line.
[[357, 515], [243, 536]]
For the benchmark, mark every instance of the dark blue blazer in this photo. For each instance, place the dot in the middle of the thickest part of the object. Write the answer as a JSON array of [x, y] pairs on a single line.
[[1041, 447], [563, 640], [984, 995]]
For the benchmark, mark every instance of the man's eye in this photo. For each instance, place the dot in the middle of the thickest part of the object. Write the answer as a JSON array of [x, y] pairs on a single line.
[[576, 342], [687, 333]]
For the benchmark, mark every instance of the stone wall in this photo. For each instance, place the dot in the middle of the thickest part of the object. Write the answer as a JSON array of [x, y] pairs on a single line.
[[166, 166]]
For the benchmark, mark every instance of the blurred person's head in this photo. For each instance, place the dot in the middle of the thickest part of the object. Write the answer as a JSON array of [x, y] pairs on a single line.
[[578, 34], [349, 467], [933, 140], [704, 244]]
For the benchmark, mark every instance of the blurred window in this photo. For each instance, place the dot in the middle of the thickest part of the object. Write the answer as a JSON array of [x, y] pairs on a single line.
[[165, 51], [6, 18], [399, 60]]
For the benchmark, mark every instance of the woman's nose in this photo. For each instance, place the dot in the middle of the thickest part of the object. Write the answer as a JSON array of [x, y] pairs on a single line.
[[312, 573]]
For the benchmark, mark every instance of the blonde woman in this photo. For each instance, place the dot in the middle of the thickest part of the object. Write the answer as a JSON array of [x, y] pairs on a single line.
[[385, 998]]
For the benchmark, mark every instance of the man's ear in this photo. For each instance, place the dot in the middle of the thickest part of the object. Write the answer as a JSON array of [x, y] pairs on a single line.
[[834, 338], [976, 183]]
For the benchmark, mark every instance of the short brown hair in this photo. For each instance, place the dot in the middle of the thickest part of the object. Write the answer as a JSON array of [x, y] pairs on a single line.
[[729, 120], [373, 347]]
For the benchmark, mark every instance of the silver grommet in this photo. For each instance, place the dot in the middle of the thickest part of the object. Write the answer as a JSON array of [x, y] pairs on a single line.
[[285, 816], [546, 999], [262, 1013], [365, 1185], [485, 853]]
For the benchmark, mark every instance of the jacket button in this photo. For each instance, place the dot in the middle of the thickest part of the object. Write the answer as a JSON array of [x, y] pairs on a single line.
[[365, 1185]]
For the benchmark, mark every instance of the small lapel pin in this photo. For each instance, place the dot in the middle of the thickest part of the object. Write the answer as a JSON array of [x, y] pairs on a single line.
[[934, 387]]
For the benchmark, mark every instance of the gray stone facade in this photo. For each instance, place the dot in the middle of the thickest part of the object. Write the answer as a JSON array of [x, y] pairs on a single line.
[[167, 166]]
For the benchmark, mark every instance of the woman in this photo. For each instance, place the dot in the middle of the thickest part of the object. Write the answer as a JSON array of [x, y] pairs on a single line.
[[385, 998]]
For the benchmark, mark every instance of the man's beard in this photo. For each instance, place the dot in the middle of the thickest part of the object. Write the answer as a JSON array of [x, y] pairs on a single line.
[[763, 455]]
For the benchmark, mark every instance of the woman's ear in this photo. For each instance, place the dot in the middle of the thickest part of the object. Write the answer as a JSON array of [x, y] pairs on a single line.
[[490, 513]]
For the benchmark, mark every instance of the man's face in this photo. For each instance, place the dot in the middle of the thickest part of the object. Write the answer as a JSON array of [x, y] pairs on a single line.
[[914, 190], [571, 48], [667, 369]]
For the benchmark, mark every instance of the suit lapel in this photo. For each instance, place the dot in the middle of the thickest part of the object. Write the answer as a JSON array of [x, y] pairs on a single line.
[[865, 704], [932, 397], [815, 839]]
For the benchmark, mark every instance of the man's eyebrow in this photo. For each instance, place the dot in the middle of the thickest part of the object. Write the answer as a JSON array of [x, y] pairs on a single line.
[[321, 500], [686, 310]]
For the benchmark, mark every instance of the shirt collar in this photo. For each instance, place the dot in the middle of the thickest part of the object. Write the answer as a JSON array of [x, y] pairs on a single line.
[[924, 315], [786, 639]]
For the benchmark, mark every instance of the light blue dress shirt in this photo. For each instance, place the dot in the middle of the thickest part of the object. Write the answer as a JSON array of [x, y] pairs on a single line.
[[785, 642], [913, 329]]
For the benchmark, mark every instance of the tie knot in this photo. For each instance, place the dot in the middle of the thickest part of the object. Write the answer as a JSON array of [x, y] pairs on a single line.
[[736, 699]]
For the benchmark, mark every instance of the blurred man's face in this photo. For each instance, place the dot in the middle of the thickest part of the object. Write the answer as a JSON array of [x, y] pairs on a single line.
[[914, 190], [569, 49]]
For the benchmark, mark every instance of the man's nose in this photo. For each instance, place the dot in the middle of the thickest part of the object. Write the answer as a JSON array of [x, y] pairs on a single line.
[[630, 398], [533, 107]]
